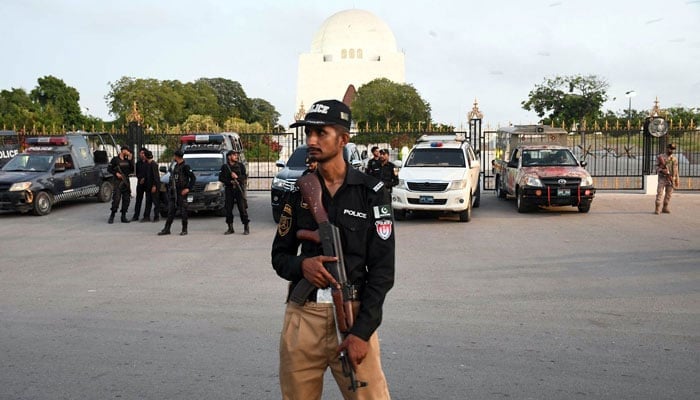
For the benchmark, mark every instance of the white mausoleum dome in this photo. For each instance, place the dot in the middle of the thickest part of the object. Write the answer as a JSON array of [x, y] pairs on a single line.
[[353, 34]]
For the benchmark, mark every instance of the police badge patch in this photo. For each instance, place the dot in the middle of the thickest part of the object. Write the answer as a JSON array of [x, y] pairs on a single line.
[[285, 221], [284, 225], [383, 228]]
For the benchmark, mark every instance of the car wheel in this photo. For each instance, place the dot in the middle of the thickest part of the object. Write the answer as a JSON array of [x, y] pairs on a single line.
[[477, 196], [42, 203], [520, 202], [500, 193], [105, 193], [399, 215], [276, 214], [584, 207], [466, 215]]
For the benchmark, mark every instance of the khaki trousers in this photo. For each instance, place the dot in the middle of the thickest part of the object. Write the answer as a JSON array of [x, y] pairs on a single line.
[[664, 190], [308, 347]]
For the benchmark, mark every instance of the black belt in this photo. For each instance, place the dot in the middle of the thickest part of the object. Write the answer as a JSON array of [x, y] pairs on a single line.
[[351, 293]]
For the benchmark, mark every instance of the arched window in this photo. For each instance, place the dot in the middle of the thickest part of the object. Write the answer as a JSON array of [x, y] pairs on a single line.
[[352, 53], [344, 53], [359, 53]]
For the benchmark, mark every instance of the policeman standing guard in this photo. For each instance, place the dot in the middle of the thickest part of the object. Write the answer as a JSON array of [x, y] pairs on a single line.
[[234, 177], [141, 166], [121, 166], [386, 170], [181, 183], [152, 187], [360, 207]]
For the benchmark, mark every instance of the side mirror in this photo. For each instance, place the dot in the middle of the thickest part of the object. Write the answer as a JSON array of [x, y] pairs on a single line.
[[584, 163], [280, 164], [513, 164], [163, 169], [357, 164], [398, 163], [364, 154]]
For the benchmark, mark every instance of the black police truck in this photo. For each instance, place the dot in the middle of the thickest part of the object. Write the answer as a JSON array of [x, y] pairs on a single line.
[[51, 170]]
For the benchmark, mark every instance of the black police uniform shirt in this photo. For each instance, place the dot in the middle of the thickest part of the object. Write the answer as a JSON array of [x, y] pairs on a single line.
[[141, 170], [387, 175], [373, 167], [361, 209], [183, 177], [126, 166], [237, 168]]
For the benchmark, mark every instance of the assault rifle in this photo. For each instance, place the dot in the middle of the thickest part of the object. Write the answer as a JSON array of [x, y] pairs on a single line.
[[328, 236], [125, 178], [234, 182]]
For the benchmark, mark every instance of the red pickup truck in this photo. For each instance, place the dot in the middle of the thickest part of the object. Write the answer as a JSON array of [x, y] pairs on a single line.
[[544, 175]]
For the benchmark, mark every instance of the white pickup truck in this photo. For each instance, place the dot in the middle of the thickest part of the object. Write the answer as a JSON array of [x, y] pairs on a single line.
[[441, 175]]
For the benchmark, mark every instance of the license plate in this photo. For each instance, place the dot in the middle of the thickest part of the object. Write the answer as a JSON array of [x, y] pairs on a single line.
[[426, 200], [563, 192], [190, 198]]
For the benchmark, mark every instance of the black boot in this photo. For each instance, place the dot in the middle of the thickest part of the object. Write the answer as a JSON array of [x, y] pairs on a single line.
[[135, 218], [184, 229], [165, 231], [111, 218], [146, 219], [230, 230], [246, 229], [125, 220]]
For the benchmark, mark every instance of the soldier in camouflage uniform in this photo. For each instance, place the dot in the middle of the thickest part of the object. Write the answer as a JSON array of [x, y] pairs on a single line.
[[667, 169]]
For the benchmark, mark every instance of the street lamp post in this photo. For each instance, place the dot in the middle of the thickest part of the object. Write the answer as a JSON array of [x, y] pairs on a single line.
[[629, 94]]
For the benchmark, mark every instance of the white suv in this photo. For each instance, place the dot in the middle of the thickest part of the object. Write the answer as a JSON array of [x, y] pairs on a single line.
[[441, 173]]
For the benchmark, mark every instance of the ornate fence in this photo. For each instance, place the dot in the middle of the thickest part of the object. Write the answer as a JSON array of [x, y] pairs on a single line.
[[615, 156]]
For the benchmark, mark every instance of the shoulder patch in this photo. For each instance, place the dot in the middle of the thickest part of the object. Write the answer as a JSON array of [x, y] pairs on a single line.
[[383, 211]]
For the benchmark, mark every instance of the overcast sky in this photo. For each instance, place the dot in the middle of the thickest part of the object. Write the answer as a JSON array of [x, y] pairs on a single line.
[[458, 50]]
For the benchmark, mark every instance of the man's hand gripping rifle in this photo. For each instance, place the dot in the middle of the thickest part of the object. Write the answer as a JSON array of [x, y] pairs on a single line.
[[328, 236]]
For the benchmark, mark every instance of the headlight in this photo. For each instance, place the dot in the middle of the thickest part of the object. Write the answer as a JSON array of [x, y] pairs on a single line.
[[20, 186], [458, 185], [279, 184], [213, 186], [402, 184], [533, 181], [587, 181]]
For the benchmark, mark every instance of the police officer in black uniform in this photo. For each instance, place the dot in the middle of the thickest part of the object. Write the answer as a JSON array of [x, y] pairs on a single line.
[[182, 181], [121, 166], [360, 207], [234, 177], [152, 188], [141, 170], [374, 164], [386, 170]]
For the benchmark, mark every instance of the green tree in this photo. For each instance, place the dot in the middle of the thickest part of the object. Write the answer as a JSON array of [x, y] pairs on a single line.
[[264, 113], [568, 98], [159, 103], [232, 99], [16, 109], [382, 102], [199, 123], [58, 102]]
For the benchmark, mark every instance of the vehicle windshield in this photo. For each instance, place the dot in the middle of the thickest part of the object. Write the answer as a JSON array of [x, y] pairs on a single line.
[[205, 164], [298, 159], [29, 162], [549, 158], [430, 157]]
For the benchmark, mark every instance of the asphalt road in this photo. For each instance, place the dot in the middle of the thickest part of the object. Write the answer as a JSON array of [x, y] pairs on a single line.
[[548, 305]]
